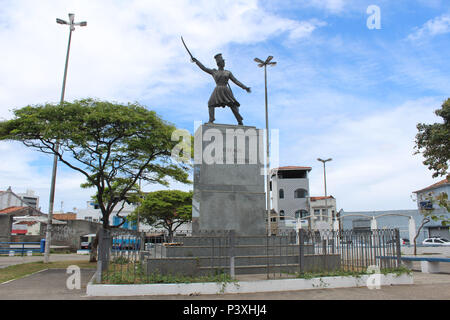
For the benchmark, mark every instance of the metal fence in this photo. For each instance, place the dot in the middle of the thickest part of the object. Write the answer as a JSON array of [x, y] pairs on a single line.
[[356, 251], [21, 248], [130, 259]]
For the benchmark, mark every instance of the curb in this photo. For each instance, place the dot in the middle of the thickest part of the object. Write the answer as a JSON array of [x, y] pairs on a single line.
[[113, 290]]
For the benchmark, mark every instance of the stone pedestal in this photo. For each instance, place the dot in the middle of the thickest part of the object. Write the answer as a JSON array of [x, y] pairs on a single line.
[[229, 180]]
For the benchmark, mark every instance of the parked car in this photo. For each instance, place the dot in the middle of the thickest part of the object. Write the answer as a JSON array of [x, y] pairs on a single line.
[[403, 241], [436, 241]]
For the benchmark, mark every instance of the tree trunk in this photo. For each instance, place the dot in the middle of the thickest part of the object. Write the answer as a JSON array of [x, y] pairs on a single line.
[[424, 221], [94, 247], [170, 235]]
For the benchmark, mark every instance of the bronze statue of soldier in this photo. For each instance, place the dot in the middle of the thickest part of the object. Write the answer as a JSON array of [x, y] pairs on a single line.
[[222, 95]]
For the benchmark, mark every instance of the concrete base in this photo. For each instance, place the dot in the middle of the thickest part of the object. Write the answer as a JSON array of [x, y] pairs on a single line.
[[429, 267], [228, 184], [241, 286]]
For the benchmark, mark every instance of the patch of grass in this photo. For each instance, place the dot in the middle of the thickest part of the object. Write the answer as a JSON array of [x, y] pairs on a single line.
[[338, 273], [21, 270], [397, 271], [133, 274]]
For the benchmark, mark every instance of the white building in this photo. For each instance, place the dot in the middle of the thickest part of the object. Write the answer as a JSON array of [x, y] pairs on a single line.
[[318, 208], [290, 193], [30, 199], [93, 213], [10, 199]]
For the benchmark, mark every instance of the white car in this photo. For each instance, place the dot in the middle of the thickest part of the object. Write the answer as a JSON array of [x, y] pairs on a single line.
[[436, 242]]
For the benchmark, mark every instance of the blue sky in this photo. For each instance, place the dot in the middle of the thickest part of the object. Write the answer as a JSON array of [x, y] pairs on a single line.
[[339, 89]]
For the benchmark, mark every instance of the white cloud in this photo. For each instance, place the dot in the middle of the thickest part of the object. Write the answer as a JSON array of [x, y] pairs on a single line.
[[373, 165], [128, 50], [437, 26], [23, 168], [331, 6]]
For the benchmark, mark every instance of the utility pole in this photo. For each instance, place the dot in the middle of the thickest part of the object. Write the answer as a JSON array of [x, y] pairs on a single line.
[[264, 64], [325, 183], [48, 235]]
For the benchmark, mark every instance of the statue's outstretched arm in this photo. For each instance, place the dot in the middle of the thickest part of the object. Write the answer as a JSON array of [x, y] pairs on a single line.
[[238, 83], [201, 66]]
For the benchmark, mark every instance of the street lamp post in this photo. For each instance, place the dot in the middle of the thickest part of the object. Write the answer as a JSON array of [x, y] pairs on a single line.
[[264, 64], [72, 25], [325, 183]]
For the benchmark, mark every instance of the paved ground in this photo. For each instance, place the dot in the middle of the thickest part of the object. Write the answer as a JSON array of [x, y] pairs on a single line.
[[51, 284]]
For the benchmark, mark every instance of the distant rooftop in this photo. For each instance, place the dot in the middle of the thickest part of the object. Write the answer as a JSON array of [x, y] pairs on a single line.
[[11, 209], [320, 198], [433, 186], [293, 168]]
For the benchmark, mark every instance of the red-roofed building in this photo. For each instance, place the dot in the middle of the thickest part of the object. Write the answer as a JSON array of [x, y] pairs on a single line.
[[7, 217], [323, 208], [291, 199], [436, 185], [425, 201], [65, 216], [26, 227]]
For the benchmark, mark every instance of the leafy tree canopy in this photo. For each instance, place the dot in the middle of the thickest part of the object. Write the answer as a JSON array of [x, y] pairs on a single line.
[[433, 141], [111, 144], [168, 209]]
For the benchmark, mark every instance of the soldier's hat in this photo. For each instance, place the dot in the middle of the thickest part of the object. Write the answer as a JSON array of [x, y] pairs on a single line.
[[218, 57]]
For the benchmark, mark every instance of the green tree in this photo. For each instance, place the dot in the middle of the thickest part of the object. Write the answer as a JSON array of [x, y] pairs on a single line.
[[112, 145], [433, 141], [168, 209]]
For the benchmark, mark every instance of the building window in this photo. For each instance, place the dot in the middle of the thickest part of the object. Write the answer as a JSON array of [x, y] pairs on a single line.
[[301, 214], [281, 194], [300, 193], [88, 218], [316, 212], [281, 215]]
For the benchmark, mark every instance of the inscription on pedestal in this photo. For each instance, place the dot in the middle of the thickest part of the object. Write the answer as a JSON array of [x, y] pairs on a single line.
[[228, 185]]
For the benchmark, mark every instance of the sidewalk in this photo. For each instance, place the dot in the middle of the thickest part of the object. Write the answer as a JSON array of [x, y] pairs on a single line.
[[51, 284], [6, 261]]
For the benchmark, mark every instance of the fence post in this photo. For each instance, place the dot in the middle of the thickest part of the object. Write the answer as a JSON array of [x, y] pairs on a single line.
[[42, 247], [301, 251], [231, 252], [397, 244]]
